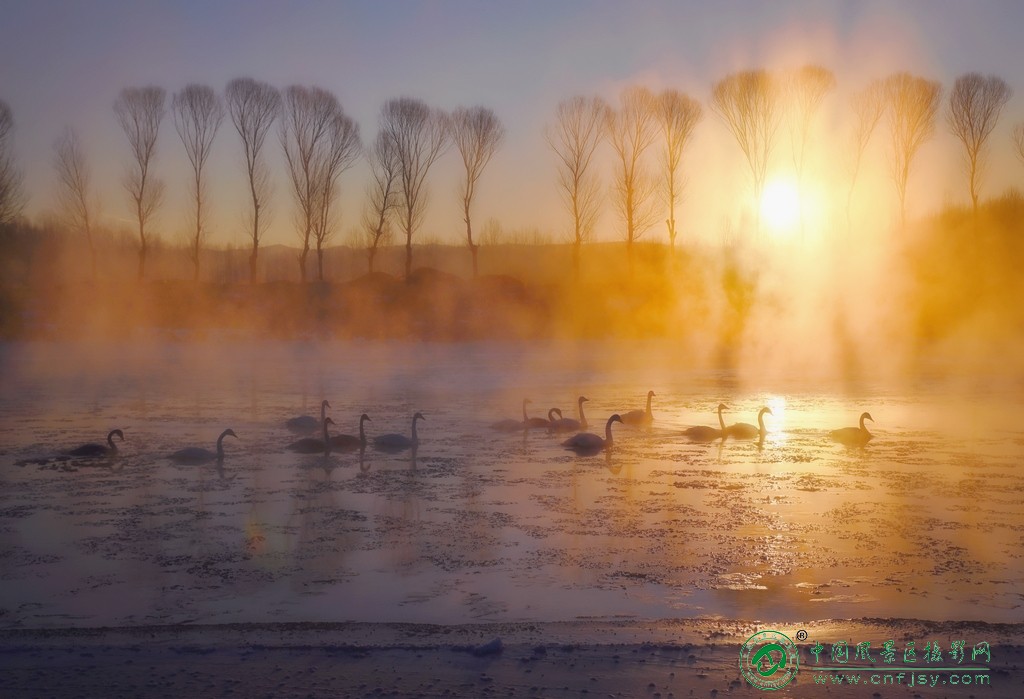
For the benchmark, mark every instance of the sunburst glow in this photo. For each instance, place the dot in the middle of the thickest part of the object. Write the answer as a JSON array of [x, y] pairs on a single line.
[[780, 207]]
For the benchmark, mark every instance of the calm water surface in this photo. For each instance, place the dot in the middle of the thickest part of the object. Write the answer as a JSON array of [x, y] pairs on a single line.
[[926, 522]]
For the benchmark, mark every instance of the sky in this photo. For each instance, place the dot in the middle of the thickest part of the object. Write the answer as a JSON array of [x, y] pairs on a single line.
[[62, 65]]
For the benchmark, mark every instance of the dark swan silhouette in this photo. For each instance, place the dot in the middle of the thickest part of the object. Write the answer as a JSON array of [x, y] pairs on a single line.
[[567, 424], [304, 424], [590, 442], [538, 421], [93, 449], [744, 430], [703, 433], [312, 445], [398, 442], [639, 417], [349, 442], [853, 436], [199, 455]]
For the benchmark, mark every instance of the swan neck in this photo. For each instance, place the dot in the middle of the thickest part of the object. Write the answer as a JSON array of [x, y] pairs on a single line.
[[415, 438], [524, 412], [648, 403], [580, 404], [362, 432], [608, 431], [721, 420], [323, 411]]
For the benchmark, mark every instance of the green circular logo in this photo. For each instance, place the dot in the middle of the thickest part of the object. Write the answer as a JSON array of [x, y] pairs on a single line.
[[769, 660]]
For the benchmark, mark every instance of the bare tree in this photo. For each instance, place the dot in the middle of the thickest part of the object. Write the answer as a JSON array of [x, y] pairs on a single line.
[[807, 88], [74, 189], [575, 136], [749, 105], [912, 103], [477, 133], [867, 105], [1018, 140], [340, 150], [631, 130], [306, 121], [382, 195], [254, 106], [12, 196], [419, 136], [140, 110], [198, 113], [974, 108], [678, 115]]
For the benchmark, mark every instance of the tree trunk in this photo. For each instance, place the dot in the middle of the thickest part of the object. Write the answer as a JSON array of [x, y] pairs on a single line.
[[473, 250], [302, 264], [319, 262], [408, 258], [252, 266], [370, 254]]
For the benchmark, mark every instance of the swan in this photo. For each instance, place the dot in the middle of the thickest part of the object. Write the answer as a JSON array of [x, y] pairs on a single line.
[[93, 449], [640, 417], [312, 445], [398, 442], [567, 424], [744, 430], [703, 433], [304, 424], [198, 455], [590, 442], [853, 436], [349, 442], [538, 421], [512, 425]]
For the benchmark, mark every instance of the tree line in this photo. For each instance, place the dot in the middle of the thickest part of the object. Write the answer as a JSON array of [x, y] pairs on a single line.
[[648, 135]]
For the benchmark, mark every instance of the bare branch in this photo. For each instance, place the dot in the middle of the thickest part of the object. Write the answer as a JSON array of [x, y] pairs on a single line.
[[912, 103], [253, 107], [74, 185], [1018, 140], [678, 115], [12, 193], [198, 113], [867, 105], [631, 130], [140, 110], [477, 133], [973, 110], [382, 195]]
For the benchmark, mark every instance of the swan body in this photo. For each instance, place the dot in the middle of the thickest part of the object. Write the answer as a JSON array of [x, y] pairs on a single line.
[[512, 425], [567, 424], [590, 442], [703, 433], [312, 445], [305, 424], [198, 455], [399, 442], [539, 422], [853, 436], [93, 449], [348, 441], [744, 430], [640, 417]]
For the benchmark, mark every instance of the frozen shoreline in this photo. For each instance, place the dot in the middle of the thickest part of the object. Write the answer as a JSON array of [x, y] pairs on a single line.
[[599, 657]]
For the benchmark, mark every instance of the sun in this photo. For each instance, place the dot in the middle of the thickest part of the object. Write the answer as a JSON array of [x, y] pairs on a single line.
[[780, 207]]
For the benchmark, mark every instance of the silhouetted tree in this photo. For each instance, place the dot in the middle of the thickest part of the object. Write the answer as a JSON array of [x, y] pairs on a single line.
[[140, 110], [306, 121], [198, 113], [1018, 140], [419, 135], [911, 103], [749, 105], [575, 136], [74, 189], [477, 133], [12, 196], [631, 130], [341, 148], [382, 195], [807, 88], [678, 115], [253, 107], [867, 105], [975, 104]]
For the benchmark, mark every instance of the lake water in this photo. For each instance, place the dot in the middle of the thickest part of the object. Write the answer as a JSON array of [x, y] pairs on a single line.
[[926, 522]]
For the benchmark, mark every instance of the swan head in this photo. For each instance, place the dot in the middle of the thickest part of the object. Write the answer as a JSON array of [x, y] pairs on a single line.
[[650, 394], [553, 412], [583, 399], [615, 418], [231, 433], [722, 406], [418, 416], [363, 417], [766, 409], [328, 421], [866, 416], [117, 433]]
